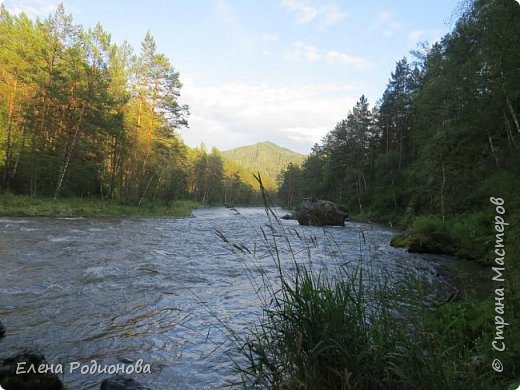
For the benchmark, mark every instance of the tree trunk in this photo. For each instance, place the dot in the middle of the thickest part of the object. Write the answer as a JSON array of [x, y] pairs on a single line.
[[513, 114], [393, 192], [22, 146], [146, 189], [493, 150], [359, 196], [442, 189], [400, 150], [156, 189], [69, 153], [510, 137], [364, 180], [8, 146]]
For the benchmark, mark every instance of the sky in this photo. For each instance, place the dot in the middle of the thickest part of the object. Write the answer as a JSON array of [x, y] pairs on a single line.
[[284, 71]]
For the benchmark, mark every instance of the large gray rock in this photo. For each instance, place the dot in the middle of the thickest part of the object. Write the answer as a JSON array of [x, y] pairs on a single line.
[[27, 381], [120, 382], [319, 213]]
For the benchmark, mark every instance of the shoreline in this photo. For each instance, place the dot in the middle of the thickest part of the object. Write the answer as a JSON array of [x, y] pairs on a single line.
[[25, 206]]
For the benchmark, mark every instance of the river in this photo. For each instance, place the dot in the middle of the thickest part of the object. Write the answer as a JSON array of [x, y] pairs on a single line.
[[163, 290]]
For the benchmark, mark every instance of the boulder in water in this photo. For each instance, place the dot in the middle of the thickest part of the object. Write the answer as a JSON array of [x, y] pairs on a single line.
[[319, 213], [9, 379]]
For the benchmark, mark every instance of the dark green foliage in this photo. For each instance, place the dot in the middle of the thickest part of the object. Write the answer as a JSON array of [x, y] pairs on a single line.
[[426, 235], [215, 179], [264, 157], [468, 236], [473, 236], [442, 140], [290, 183]]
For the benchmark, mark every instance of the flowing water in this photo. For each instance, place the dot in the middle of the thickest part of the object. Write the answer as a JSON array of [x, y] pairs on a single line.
[[167, 291]]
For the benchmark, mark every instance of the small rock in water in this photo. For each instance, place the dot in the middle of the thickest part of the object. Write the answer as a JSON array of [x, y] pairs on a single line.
[[120, 382], [125, 360], [2, 330], [27, 381]]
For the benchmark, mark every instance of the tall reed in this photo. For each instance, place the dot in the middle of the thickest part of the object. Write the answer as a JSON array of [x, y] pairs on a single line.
[[352, 327]]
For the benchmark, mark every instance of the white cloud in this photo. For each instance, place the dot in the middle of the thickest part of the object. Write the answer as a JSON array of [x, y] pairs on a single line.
[[386, 24], [332, 14], [32, 8], [241, 113], [309, 53], [303, 10], [417, 36], [304, 52], [307, 11], [306, 135], [342, 58]]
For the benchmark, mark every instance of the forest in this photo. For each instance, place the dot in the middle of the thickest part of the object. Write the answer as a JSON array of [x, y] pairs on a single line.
[[442, 140], [83, 117]]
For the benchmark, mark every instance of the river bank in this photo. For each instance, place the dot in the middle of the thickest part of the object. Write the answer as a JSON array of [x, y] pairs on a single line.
[[335, 333], [467, 236], [25, 206]]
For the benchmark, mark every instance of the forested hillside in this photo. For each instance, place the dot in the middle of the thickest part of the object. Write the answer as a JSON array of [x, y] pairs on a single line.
[[442, 140], [83, 117], [265, 157]]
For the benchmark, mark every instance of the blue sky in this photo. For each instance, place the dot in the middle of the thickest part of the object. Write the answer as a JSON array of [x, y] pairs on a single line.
[[279, 70]]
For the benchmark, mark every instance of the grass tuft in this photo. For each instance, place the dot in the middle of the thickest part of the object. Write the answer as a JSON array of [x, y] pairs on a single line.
[[355, 329]]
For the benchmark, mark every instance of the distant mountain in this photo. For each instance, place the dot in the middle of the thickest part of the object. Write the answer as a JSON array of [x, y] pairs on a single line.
[[265, 157]]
